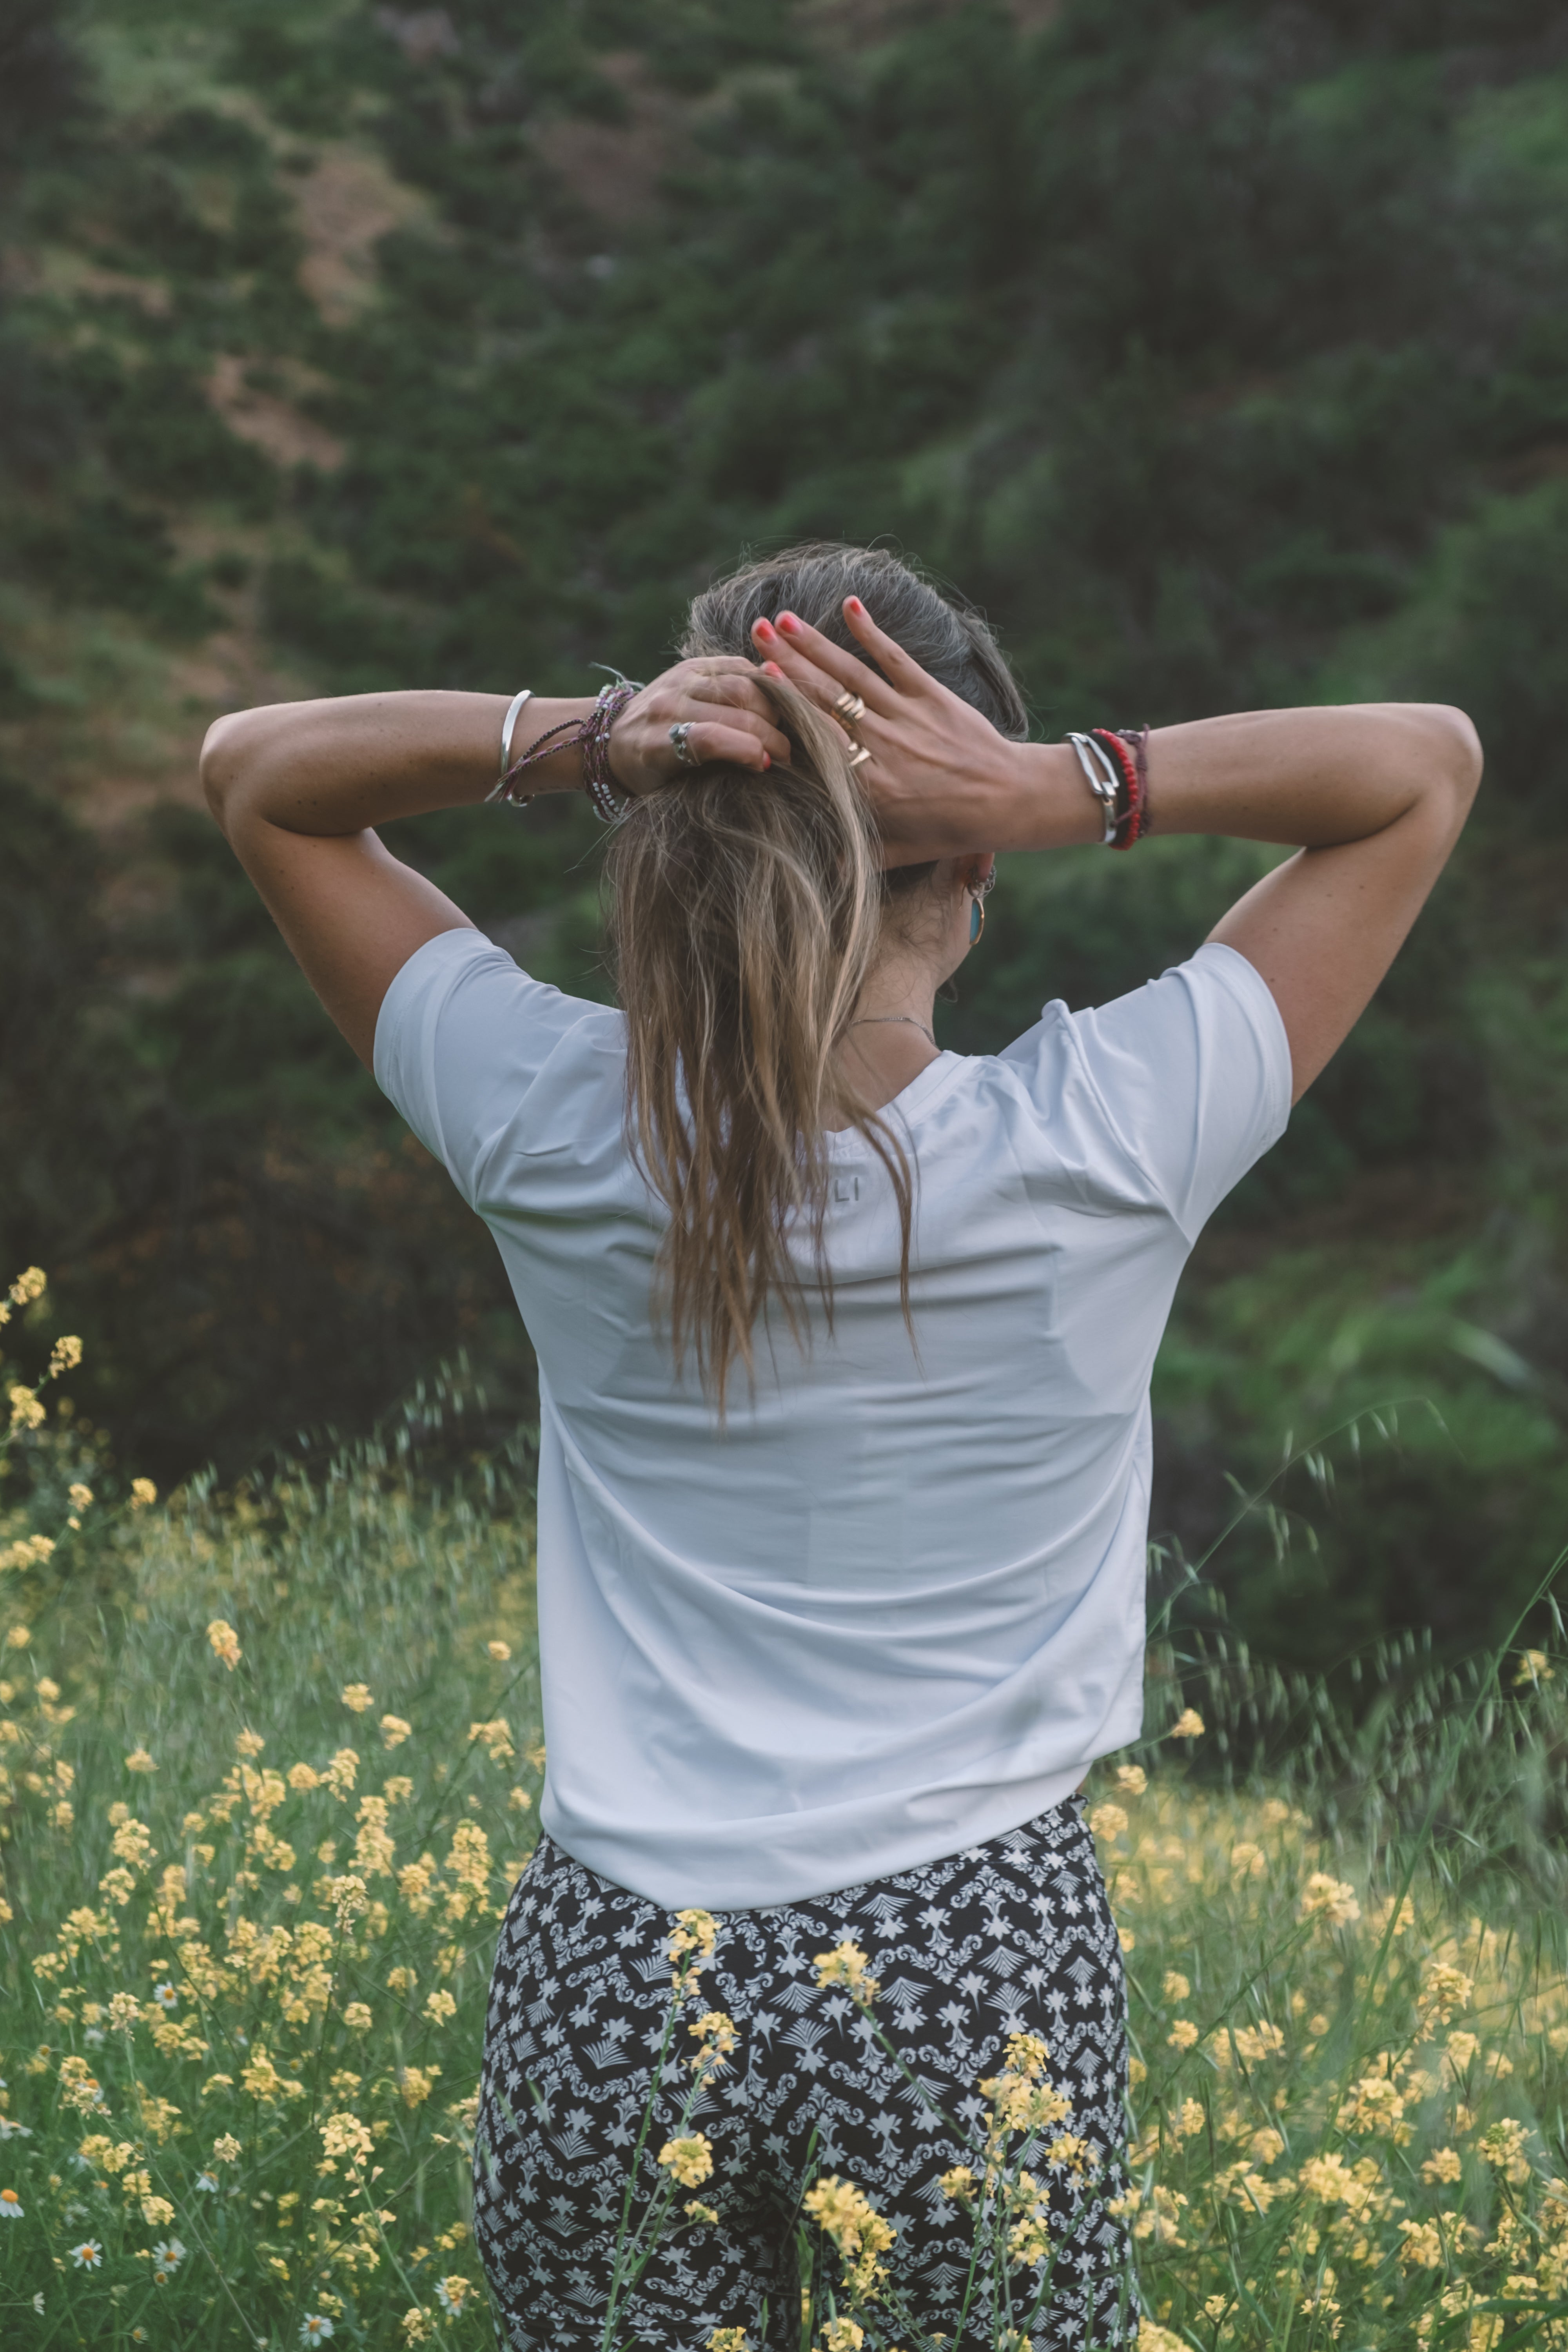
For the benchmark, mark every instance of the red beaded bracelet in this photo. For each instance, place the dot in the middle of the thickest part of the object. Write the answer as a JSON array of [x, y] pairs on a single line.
[[1127, 748]]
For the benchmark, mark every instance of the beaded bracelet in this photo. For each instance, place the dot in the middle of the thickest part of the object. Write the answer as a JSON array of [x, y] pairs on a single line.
[[1128, 747], [591, 736]]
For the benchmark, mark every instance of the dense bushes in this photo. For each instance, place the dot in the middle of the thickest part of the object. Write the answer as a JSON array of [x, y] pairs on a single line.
[[1217, 350]]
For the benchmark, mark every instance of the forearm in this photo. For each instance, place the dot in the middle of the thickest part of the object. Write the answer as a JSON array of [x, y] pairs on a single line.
[[342, 765], [1313, 778]]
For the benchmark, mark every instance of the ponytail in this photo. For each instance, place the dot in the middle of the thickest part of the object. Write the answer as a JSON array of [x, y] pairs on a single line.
[[746, 912]]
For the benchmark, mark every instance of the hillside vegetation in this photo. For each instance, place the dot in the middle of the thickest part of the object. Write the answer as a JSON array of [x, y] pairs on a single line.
[[1218, 351]]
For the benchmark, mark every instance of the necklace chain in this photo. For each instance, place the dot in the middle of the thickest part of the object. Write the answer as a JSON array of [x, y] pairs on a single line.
[[889, 1020]]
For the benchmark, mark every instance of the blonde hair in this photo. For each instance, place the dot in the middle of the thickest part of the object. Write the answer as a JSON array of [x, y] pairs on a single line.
[[746, 914]]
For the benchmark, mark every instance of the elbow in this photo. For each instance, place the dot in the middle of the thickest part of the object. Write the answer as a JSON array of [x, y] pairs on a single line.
[[1462, 758], [220, 768]]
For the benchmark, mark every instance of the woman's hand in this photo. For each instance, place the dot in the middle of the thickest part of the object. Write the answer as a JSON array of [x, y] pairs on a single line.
[[942, 782], [730, 716]]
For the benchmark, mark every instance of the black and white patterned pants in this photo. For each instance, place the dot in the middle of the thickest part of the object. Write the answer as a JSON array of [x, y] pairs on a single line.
[[1012, 1936]]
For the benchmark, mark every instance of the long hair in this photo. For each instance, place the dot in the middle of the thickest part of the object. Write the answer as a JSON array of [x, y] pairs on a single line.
[[746, 913]]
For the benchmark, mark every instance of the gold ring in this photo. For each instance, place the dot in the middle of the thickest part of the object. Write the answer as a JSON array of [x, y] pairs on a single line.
[[850, 706], [859, 755]]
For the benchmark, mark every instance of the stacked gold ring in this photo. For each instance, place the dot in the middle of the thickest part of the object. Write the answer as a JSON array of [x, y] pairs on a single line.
[[849, 707]]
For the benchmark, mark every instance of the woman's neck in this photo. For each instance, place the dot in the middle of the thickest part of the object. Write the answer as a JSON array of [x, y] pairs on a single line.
[[890, 1041]]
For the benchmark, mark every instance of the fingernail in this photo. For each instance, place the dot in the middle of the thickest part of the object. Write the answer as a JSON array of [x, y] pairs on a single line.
[[762, 628], [767, 759], [855, 606], [772, 669], [788, 622]]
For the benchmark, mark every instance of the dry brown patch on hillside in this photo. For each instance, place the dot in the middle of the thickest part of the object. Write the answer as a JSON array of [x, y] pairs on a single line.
[[613, 168], [269, 420], [347, 201]]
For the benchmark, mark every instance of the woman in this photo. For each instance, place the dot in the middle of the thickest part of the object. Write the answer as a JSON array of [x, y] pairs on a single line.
[[845, 1346]]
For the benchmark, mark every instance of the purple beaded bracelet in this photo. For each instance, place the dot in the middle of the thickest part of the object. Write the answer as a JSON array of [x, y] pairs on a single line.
[[591, 736]]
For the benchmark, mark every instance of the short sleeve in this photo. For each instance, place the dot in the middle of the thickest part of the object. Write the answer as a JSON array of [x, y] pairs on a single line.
[[1192, 1073], [490, 1067]]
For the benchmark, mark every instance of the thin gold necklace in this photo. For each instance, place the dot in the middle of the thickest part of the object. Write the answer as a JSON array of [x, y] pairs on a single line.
[[881, 1020]]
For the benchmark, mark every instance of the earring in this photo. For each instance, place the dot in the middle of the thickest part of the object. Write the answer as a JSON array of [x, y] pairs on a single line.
[[976, 920]]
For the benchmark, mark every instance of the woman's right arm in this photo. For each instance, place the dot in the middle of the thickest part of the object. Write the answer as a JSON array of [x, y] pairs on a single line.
[[1372, 796]]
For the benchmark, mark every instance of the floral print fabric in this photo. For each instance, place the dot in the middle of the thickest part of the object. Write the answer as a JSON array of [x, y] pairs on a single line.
[[1012, 1936]]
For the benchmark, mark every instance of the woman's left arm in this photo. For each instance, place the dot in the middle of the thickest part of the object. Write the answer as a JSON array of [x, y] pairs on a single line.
[[298, 788]]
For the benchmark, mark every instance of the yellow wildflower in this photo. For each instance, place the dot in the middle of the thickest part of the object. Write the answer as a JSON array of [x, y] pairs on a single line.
[[143, 1494], [1422, 2247], [1332, 1900], [140, 1761], [959, 2185], [715, 2036], [417, 2325], [440, 2006], [1534, 1666], [499, 1651], [303, 1777], [1443, 2163], [728, 2339], [1107, 1821], [519, 1801], [18, 1637], [416, 2082], [357, 2017], [356, 1697], [1131, 1780], [1183, 2035], [1176, 1986], [248, 1743], [27, 1409], [81, 1496], [497, 1738], [690, 2159], [1188, 1725], [66, 1355], [847, 1965], [28, 1285], [1445, 1991], [395, 1731], [225, 1643], [842, 2336]]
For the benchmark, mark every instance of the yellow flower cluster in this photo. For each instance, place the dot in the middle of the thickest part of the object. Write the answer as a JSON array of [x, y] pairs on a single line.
[[234, 2032]]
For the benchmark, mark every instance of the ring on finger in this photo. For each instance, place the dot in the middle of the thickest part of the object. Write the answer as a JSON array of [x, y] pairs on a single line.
[[859, 755], [849, 707], [680, 736]]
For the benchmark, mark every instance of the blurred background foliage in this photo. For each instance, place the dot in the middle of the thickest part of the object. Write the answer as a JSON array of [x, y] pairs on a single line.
[[1218, 351]]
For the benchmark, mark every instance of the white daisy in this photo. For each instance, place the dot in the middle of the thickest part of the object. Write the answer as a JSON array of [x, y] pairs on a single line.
[[11, 2206], [89, 2255], [165, 1996], [168, 2255], [207, 2180], [315, 2328], [8, 2130]]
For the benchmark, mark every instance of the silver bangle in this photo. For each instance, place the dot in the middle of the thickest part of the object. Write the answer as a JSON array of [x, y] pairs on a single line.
[[508, 729], [1103, 780]]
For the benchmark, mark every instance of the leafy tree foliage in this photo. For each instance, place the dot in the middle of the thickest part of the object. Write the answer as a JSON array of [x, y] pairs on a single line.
[[1217, 350]]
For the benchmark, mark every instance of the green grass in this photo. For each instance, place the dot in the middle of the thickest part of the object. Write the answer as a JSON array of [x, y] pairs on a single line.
[[253, 1907]]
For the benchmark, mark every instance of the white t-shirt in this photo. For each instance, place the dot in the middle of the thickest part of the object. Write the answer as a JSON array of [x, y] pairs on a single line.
[[894, 1605]]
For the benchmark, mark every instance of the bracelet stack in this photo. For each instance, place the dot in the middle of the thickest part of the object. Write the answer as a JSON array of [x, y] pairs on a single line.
[[591, 736], [1115, 762]]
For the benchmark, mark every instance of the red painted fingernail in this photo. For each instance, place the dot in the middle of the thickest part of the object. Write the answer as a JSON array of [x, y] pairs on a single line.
[[789, 623], [772, 669], [855, 606], [762, 628], [767, 759]]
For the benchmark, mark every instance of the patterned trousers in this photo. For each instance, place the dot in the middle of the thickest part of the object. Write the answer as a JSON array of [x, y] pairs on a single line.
[[1012, 1936]]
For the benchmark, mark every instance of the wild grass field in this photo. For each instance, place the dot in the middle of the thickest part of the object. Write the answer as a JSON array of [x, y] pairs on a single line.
[[271, 1763]]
